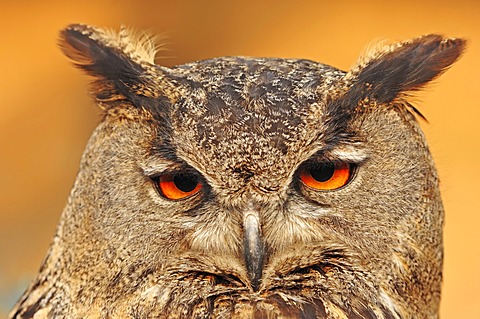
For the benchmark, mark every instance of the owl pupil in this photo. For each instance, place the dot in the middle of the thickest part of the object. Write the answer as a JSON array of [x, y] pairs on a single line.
[[185, 183], [323, 172]]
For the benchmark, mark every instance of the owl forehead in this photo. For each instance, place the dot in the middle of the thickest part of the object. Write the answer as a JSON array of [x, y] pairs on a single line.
[[250, 113], [256, 77]]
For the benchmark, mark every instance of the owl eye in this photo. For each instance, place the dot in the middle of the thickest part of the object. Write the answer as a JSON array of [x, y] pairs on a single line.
[[326, 176], [178, 186]]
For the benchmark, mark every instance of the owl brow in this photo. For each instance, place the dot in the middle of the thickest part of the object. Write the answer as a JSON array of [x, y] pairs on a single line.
[[162, 156], [164, 149], [344, 153], [338, 116], [158, 165], [348, 153]]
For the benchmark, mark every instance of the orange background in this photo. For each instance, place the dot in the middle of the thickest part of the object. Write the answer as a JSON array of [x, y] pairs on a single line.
[[46, 115]]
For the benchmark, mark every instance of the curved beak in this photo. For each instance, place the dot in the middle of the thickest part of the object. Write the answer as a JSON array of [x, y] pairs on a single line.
[[254, 247]]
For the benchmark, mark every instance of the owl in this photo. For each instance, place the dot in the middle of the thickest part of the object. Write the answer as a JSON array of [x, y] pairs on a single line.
[[242, 187]]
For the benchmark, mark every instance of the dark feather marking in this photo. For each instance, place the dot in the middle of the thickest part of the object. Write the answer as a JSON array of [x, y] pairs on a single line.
[[315, 309], [338, 115], [29, 311], [416, 111]]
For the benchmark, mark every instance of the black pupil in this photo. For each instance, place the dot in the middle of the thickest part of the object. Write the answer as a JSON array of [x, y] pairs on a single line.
[[185, 183], [323, 172]]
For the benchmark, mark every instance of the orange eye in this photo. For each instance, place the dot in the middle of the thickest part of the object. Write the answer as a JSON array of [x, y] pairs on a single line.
[[178, 186], [326, 176]]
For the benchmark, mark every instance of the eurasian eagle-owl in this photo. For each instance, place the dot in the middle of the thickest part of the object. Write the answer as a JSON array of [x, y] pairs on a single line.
[[248, 188]]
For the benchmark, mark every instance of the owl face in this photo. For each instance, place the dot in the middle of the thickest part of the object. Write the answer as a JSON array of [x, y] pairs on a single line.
[[265, 207], [249, 187]]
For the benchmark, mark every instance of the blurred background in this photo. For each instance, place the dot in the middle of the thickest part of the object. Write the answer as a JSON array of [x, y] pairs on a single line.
[[46, 114]]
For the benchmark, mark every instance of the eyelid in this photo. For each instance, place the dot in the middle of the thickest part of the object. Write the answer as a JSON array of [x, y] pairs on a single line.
[[351, 154], [159, 169], [348, 154], [155, 167]]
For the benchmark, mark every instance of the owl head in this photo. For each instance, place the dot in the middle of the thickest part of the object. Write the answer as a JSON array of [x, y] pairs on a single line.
[[249, 188]]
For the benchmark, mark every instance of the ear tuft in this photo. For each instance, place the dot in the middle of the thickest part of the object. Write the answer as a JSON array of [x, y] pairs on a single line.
[[97, 51], [122, 64], [138, 46], [405, 66]]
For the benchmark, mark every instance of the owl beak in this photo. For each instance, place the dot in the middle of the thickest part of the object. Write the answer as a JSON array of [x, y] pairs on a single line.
[[254, 247]]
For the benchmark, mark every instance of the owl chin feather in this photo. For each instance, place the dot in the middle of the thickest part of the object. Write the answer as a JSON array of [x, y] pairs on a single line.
[[327, 284]]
